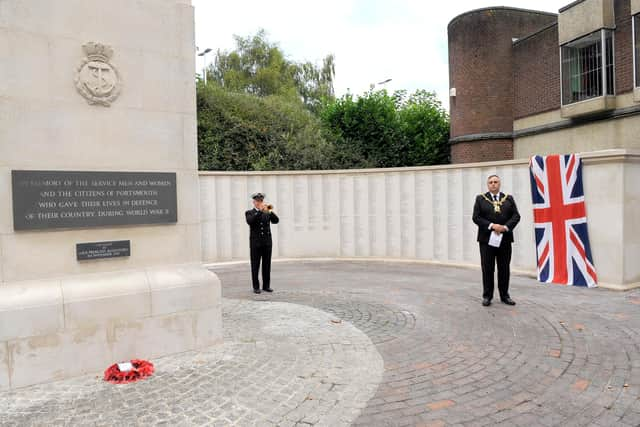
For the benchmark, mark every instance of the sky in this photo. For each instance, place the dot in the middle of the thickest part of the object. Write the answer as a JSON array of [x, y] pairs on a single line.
[[372, 40]]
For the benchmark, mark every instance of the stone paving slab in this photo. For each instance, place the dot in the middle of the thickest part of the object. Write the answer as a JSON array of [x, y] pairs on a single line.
[[281, 364], [562, 356]]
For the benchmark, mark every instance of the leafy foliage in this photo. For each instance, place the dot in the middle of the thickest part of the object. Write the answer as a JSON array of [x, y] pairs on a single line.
[[382, 130], [238, 131], [425, 126], [259, 67], [261, 111]]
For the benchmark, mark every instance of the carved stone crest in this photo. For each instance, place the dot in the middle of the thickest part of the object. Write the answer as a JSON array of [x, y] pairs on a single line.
[[97, 79]]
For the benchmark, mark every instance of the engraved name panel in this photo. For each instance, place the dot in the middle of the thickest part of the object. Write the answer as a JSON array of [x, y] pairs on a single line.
[[98, 250]]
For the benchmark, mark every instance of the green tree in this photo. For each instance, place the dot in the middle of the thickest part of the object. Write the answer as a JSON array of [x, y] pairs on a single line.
[[382, 130], [425, 126], [239, 131], [314, 84], [262, 111], [366, 130], [258, 67]]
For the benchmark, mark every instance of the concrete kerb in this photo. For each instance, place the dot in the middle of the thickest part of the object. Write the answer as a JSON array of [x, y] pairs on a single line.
[[519, 272], [514, 271]]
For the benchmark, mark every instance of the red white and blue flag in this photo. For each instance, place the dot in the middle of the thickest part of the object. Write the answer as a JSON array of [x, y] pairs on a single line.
[[560, 221]]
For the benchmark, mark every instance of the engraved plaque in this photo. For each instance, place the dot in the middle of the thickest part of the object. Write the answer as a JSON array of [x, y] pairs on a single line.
[[97, 250], [71, 199]]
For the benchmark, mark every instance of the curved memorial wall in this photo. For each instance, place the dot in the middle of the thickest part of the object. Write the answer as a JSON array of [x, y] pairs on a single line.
[[421, 214]]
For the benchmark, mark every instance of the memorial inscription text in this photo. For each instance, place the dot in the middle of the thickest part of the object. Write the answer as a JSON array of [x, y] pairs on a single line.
[[61, 199]]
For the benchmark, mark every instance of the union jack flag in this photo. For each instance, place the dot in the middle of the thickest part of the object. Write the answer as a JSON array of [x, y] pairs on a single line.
[[560, 221]]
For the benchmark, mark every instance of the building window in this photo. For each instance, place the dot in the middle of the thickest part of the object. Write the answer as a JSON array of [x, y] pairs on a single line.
[[583, 74]]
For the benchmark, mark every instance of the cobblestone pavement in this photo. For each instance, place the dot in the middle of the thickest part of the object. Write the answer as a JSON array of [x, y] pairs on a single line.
[[562, 356], [281, 364]]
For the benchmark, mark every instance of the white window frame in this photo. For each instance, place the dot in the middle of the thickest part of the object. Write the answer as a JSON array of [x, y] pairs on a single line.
[[613, 62], [603, 66], [633, 44]]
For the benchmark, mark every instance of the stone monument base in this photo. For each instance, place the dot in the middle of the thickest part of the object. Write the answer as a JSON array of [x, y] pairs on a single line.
[[58, 328]]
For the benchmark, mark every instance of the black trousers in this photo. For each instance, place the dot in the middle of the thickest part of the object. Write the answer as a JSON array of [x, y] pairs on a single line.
[[261, 252], [489, 257]]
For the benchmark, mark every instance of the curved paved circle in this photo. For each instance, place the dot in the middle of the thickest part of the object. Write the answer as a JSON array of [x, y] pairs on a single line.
[[281, 364], [562, 356], [382, 323]]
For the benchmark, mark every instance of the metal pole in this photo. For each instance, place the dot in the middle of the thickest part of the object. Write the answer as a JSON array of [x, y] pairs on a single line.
[[204, 66]]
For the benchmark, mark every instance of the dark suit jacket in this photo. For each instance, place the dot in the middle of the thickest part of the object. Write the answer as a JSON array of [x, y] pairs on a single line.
[[260, 226], [484, 215]]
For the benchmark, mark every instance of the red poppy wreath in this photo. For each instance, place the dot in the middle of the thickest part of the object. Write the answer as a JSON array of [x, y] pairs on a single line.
[[139, 369]]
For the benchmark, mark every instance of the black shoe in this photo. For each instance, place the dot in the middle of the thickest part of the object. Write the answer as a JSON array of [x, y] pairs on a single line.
[[256, 291], [486, 302], [267, 290], [508, 301]]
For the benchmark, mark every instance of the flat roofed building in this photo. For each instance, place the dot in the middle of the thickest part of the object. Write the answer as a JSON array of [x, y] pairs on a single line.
[[530, 82]]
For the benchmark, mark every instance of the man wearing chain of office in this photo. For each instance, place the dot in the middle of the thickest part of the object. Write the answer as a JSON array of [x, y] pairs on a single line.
[[496, 215]]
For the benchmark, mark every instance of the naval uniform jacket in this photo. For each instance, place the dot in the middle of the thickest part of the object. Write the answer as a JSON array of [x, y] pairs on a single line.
[[260, 226], [484, 215]]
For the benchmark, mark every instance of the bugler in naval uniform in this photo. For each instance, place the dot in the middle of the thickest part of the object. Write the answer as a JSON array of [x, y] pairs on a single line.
[[260, 219]]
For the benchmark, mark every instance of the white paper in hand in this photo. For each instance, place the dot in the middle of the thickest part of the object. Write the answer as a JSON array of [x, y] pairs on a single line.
[[495, 239]]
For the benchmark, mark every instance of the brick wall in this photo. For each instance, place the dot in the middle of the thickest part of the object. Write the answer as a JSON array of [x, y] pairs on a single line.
[[482, 151], [480, 67], [481, 70], [498, 81], [623, 47], [536, 73]]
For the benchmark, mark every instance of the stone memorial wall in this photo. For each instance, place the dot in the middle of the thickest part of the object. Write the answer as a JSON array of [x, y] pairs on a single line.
[[420, 214], [100, 257]]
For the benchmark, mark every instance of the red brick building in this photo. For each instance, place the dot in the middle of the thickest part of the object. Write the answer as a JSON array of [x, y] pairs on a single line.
[[526, 82]]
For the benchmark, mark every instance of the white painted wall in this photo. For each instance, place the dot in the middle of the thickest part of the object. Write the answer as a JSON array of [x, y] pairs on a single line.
[[419, 213]]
